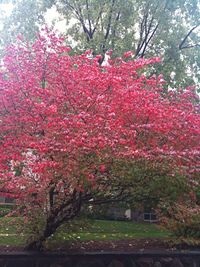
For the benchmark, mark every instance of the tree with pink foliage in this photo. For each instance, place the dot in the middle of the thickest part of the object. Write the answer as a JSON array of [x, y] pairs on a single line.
[[66, 122]]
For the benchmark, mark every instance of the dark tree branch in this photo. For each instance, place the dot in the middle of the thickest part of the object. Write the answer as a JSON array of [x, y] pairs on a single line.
[[121, 196], [146, 34], [149, 39], [76, 9], [147, 29], [97, 21], [65, 213], [182, 44], [190, 46], [78, 14], [114, 29], [109, 21], [108, 28], [140, 42], [88, 16], [81, 19]]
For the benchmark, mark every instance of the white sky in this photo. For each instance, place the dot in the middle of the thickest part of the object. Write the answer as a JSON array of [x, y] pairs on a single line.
[[50, 16], [7, 8]]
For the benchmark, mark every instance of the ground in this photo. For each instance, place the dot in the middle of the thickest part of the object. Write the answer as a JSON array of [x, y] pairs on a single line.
[[90, 235], [128, 245]]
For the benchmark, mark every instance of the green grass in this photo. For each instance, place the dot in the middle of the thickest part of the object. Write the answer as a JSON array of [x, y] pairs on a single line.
[[9, 235], [8, 225], [84, 231], [113, 230]]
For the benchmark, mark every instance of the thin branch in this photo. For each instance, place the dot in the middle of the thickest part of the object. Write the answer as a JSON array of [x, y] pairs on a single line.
[[182, 44], [147, 30], [76, 9], [88, 16], [114, 28], [109, 21], [108, 28], [140, 43], [78, 14], [190, 46], [97, 21], [120, 197], [148, 41]]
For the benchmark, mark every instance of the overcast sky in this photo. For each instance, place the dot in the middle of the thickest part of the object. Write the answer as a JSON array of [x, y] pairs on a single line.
[[51, 14]]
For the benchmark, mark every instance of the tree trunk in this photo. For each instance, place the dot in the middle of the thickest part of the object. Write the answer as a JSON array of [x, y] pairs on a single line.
[[37, 245], [63, 213]]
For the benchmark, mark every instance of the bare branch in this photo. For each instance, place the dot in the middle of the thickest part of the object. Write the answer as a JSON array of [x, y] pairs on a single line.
[[92, 26], [190, 46], [149, 39], [114, 29], [148, 32], [121, 196], [88, 16], [140, 43], [182, 44], [97, 21], [148, 29], [109, 21]]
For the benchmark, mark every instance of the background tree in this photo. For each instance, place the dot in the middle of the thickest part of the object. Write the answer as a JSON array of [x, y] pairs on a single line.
[[165, 28], [168, 29], [25, 19], [71, 129]]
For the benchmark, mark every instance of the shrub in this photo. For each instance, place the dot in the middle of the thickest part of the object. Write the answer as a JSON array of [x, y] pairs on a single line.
[[183, 221]]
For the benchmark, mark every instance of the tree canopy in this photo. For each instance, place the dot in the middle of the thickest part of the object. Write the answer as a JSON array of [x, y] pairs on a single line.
[[68, 124]]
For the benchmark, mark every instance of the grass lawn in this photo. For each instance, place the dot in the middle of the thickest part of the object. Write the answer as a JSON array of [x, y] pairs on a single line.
[[85, 231]]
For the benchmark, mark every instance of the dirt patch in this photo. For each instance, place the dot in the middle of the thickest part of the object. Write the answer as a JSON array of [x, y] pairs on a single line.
[[103, 246], [116, 245], [126, 245]]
